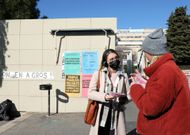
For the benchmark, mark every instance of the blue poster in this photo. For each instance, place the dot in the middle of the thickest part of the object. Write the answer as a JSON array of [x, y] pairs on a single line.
[[71, 63], [89, 62]]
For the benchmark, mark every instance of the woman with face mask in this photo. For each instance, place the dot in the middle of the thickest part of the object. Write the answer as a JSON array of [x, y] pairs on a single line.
[[164, 99], [111, 97]]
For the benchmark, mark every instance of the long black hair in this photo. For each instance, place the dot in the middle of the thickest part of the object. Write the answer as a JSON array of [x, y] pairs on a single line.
[[104, 57]]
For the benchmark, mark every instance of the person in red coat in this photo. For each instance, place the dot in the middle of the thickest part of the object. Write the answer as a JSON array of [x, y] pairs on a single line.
[[164, 99]]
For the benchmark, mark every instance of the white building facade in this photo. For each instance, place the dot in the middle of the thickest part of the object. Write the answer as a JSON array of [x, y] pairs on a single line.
[[130, 41]]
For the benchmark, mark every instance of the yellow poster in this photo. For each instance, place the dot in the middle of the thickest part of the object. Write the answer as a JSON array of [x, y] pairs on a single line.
[[72, 85]]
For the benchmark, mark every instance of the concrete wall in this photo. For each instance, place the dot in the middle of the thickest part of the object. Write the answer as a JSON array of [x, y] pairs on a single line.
[[187, 73], [31, 48]]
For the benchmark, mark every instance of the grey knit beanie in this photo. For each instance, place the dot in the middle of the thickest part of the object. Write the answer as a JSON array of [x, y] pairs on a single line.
[[155, 43]]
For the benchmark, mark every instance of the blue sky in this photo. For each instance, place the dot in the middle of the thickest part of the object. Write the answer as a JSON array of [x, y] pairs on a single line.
[[129, 13]]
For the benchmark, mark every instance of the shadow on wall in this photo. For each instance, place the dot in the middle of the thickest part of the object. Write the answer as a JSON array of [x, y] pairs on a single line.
[[3, 48], [61, 97]]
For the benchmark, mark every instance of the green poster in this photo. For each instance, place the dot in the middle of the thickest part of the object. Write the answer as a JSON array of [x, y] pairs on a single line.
[[71, 63]]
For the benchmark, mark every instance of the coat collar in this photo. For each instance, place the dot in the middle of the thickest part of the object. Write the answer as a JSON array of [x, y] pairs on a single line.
[[153, 67]]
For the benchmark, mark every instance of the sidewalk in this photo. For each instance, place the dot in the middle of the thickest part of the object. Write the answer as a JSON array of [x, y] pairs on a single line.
[[58, 124], [41, 124]]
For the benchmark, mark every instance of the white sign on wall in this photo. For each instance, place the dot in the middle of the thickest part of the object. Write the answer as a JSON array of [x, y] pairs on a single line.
[[28, 75]]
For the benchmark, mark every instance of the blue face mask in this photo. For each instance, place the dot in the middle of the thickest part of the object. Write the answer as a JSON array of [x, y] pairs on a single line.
[[114, 64]]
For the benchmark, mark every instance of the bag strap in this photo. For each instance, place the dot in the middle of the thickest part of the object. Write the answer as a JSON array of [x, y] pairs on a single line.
[[98, 82]]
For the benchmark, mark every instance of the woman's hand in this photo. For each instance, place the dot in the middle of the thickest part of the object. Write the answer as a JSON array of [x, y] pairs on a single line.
[[109, 97]]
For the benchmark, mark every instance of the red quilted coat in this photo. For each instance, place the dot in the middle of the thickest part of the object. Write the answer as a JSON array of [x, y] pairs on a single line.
[[164, 104]]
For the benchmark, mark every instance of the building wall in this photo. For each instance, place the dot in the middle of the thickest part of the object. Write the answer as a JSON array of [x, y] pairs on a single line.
[[31, 48], [187, 73], [131, 36], [131, 39]]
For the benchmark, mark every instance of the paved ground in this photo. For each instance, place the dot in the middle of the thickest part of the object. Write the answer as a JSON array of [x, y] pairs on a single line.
[[57, 124]]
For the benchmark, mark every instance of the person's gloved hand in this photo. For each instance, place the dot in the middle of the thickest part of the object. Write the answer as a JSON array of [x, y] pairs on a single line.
[[137, 78]]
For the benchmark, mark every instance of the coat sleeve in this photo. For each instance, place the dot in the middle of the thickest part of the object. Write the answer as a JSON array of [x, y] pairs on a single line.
[[157, 96], [92, 91]]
